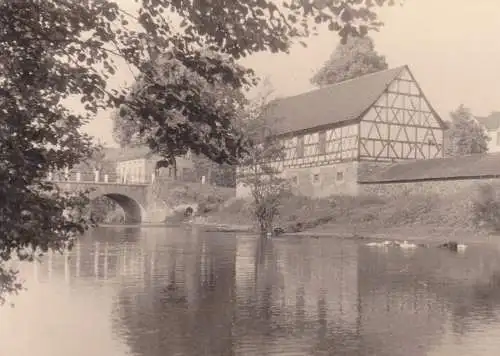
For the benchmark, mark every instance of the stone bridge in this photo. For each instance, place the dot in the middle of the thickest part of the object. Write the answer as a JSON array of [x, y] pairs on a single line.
[[140, 201], [132, 197]]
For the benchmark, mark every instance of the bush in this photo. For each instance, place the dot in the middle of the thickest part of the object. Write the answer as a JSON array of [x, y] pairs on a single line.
[[408, 210], [486, 207]]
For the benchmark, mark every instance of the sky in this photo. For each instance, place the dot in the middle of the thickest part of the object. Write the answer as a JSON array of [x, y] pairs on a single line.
[[451, 47]]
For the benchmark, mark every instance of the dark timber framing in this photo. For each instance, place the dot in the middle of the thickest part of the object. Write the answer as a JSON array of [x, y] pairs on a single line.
[[398, 124]]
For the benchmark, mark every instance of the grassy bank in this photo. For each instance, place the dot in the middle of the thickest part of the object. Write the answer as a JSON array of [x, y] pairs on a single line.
[[425, 216]]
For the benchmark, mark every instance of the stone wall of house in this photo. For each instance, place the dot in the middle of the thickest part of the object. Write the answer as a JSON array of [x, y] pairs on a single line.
[[317, 182], [336, 179], [326, 183], [439, 187]]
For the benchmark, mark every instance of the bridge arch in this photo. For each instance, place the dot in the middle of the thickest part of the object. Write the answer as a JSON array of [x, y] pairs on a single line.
[[134, 211]]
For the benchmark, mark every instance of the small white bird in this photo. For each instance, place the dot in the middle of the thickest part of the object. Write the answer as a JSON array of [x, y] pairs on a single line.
[[407, 245], [461, 247], [379, 244]]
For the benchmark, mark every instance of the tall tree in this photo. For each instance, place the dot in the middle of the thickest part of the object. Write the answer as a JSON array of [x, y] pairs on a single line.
[[355, 58], [169, 125], [465, 135], [259, 170], [54, 50]]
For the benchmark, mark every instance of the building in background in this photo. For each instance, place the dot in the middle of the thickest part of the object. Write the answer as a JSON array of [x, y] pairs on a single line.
[[138, 164], [491, 124], [331, 135]]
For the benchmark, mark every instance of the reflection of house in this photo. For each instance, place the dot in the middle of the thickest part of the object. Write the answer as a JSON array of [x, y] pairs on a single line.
[[491, 124], [299, 283], [328, 133], [329, 277], [137, 165]]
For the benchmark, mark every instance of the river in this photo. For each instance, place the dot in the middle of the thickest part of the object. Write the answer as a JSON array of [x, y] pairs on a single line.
[[171, 291]]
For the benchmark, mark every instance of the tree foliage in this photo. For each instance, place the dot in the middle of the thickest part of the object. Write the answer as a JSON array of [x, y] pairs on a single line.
[[177, 109], [55, 50], [353, 59], [218, 174], [465, 135]]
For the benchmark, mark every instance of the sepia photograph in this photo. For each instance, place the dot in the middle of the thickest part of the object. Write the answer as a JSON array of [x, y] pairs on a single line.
[[249, 178]]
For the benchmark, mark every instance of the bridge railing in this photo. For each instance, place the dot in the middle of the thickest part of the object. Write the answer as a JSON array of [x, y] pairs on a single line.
[[87, 176], [70, 176]]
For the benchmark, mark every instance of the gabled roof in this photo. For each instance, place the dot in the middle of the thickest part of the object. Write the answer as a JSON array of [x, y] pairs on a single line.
[[333, 104], [336, 104], [491, 122]]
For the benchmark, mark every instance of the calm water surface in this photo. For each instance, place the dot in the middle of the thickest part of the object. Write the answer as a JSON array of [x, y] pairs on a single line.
[[152, 292]]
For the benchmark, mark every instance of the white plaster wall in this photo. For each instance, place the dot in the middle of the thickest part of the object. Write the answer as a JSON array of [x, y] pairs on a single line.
[[492, 144]]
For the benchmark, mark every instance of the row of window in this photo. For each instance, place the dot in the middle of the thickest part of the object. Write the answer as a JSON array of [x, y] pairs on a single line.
[[316, 178], [321, 144]]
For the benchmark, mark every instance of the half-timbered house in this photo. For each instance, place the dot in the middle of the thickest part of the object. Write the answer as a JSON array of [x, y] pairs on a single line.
[[329, 133]]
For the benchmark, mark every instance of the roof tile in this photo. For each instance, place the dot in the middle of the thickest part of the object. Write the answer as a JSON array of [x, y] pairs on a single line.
[[471, 166], [333, 104]]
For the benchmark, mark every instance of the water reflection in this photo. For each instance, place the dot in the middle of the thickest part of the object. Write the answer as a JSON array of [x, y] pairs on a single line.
[[151, 292]]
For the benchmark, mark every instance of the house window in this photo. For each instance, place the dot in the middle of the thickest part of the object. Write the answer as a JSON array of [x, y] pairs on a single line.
[[315, 178], [498, 138], [322, 143], [300, 147], [340, 176]]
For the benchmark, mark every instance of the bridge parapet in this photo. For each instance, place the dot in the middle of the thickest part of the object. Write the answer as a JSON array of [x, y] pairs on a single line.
[[70, 176]]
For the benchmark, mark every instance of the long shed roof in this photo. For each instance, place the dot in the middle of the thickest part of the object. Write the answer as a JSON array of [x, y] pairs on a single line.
[[485, 165]]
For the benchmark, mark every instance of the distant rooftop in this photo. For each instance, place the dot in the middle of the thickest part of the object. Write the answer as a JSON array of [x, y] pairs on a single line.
[[490, 122]]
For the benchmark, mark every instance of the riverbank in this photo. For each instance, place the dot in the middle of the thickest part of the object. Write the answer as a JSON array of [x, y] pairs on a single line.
[[413, 233], [466, 216], [416, 233], [463, 217]]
